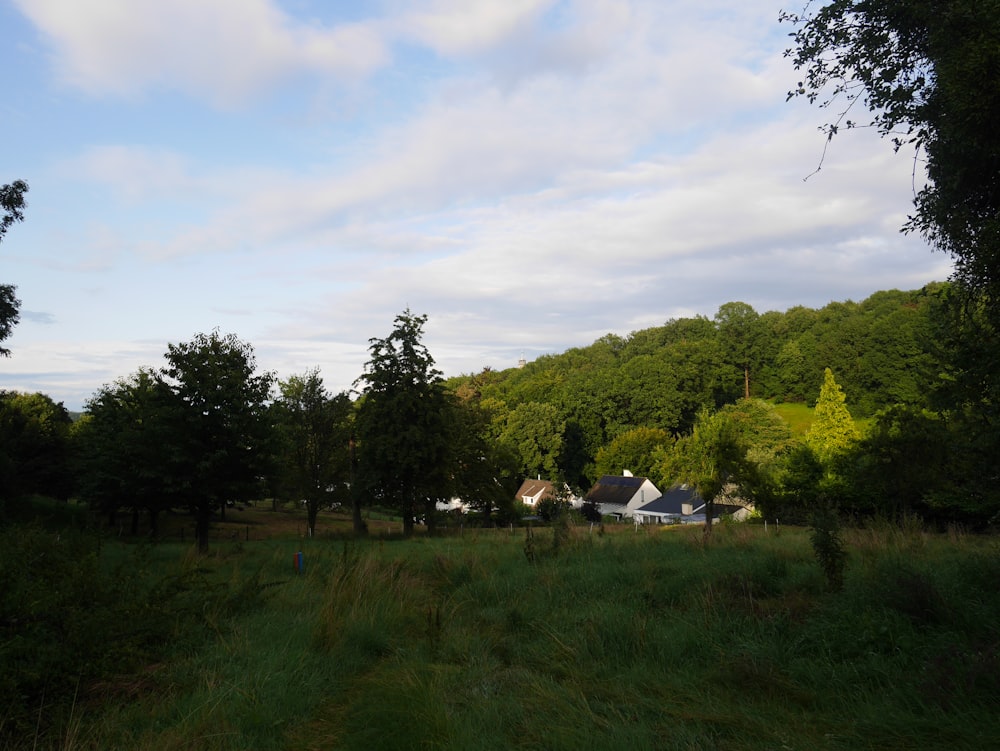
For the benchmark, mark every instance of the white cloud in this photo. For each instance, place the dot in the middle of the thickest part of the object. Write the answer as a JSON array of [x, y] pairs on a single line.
[[224, 50], [461, 27]]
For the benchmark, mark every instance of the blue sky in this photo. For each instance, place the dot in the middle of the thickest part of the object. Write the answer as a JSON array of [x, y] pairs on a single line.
[[531, 174]]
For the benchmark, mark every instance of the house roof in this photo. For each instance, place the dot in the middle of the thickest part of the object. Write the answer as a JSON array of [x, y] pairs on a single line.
[[534, 488], [672, 502], [615, 489]]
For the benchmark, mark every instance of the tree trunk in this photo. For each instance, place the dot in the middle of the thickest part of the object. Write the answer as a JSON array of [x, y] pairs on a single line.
[[430, 517], [746, 381], [312, 511], [202, 514], [709, 513], [360, 528], [154, 522], [135, 521]]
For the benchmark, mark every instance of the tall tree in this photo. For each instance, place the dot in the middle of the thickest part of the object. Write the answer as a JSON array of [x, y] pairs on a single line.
[[710, 458], [487, 472], [34, 446], [12, 205], [832, 431], [121, 444], [634, 450], [537, 431], [221, 432], [739, 331], [402, 424], [314, 448]]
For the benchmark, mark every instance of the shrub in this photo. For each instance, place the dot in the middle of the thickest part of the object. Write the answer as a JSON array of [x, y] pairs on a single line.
[[829, 547]]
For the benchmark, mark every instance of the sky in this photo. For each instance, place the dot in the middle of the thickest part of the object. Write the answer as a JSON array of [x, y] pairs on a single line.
[[529, 174]]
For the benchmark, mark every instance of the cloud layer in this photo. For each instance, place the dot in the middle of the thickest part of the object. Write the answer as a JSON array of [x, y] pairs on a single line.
[[530, 173]]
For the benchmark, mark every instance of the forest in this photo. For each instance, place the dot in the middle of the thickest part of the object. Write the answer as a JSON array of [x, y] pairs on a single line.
[[893, 421]]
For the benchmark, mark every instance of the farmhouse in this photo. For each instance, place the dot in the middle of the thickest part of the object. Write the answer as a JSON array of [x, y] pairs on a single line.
[[682, 504], [621, 495], [679, 504], [532, 491]]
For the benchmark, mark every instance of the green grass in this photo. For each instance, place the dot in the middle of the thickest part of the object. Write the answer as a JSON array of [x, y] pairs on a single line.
[[628, 640], [798, 416]]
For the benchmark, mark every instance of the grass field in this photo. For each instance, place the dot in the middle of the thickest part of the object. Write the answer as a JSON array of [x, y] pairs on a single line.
[[630, 639]]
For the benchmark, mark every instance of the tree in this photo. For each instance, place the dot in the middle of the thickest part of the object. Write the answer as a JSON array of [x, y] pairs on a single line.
[[738, 325], [486, 471], [903, 459], [121, 443], [832, 431], [633, 450], [219, 429], [710, 458], [34, 446], [927, 71], [537, 431], [12, 204], [314, 446], [403, 430]]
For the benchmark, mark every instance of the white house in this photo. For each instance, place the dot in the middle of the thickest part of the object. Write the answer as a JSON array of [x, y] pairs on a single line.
[[620, 496]]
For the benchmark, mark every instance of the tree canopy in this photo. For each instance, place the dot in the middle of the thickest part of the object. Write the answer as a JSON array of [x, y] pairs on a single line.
[[314, 435], [928, 71], [12, 205], [219, 423], [403, 426]]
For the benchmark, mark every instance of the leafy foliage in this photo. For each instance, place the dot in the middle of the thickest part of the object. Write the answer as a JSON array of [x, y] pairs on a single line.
[[403, 424], [12, 204], [829, 547], [121, 444], [34, 447], [833, 431], [927, 72], [313, 447], [219, 418]]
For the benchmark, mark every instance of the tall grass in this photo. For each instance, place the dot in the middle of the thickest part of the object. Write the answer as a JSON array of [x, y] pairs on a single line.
[[621, 641]]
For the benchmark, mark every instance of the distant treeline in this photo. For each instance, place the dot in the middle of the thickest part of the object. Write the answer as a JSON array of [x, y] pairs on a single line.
[[889, 349]]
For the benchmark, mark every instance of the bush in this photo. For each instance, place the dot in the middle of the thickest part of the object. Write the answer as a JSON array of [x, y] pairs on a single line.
[[67, 619], [829, 547]]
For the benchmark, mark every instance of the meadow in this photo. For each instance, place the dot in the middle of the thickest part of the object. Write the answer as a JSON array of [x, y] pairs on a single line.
[[566, 638]]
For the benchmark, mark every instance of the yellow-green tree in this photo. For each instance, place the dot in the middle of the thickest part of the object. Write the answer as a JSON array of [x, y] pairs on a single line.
[[833, 430]]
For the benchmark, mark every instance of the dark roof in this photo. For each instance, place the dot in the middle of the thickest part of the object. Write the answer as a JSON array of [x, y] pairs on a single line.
[[615, 489], [672, 501]]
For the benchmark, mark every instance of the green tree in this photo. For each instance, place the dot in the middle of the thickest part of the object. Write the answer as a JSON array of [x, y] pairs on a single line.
[[403, 427], [739, 331], [220, 433], [120, 447], [537, 431], [832, 432], [902, 461], [12, 205], [634, 450], [487, 472], [710, 458], [314, 444], [34, 446], [927, 72]]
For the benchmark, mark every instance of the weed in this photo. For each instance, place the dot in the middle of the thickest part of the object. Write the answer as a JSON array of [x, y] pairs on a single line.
[[829, 547]]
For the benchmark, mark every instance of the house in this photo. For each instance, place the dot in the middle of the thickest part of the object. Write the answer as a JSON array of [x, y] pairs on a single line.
[[677, 505], [621, 495], [682, 504], [532, 491]]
